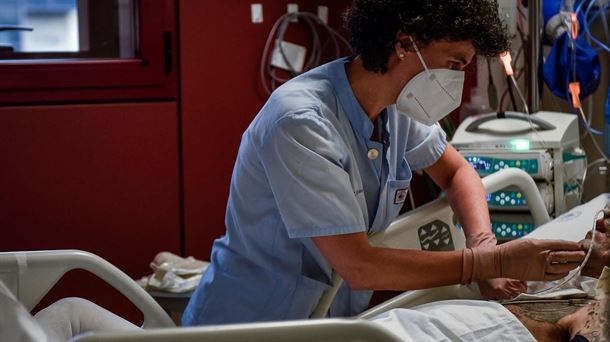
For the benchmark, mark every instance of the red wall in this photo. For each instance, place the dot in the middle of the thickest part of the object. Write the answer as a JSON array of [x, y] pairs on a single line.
[[221, 93], [102, 178]]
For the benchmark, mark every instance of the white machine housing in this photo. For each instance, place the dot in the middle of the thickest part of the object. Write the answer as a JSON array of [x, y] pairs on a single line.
[[543, 137]]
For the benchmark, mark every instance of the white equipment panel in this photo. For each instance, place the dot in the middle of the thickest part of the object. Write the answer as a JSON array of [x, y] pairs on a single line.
[[546, 145]]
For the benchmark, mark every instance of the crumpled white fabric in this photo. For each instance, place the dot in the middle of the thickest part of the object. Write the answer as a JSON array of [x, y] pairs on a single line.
[[16, 323], [173, 273], [455, 320]]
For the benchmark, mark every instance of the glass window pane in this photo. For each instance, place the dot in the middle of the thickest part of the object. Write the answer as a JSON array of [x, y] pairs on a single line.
[[67, 29]]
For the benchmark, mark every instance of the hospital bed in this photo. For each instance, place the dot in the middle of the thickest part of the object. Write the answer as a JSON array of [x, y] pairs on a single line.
[[29, 275]]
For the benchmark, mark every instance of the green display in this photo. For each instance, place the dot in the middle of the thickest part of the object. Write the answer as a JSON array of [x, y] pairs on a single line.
[[487, 165]]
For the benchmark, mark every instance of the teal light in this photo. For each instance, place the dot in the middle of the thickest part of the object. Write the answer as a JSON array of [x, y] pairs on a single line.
[[520, 145]]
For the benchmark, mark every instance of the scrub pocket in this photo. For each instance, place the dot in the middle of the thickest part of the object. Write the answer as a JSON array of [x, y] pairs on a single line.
[[306, 297], [234, 299]]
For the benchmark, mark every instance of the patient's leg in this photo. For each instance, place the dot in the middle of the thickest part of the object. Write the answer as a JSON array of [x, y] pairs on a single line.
[[70, 317]]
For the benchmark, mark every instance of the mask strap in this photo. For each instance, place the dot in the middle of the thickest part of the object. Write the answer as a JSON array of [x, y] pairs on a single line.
[[421, 59]]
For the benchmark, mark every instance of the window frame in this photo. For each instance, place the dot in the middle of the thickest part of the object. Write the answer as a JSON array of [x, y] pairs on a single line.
[[150, 74]]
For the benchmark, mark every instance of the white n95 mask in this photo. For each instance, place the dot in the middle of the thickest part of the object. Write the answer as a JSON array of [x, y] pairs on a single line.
[[431, 94]]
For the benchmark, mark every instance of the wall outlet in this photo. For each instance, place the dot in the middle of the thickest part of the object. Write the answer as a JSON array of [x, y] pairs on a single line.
[[323, 14], [293, 8], [256, 11], [295, 54]]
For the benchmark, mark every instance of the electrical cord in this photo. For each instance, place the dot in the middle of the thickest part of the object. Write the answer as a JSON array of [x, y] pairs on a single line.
[[520, 72], [268, 76], [521, 97], [501, 106], [604, 20], [590, 118], [600, 12], [492, 91], [513, 82], [511, 93], [595, 143]]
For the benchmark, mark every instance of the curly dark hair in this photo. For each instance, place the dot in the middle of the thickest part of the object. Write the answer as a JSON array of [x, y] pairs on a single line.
[[373, 25]]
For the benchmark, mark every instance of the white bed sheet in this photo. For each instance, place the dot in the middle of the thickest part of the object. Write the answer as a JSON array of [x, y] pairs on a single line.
[[455, 320]]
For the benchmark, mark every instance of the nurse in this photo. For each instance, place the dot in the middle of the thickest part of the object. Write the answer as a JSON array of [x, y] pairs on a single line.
[[329, 158]]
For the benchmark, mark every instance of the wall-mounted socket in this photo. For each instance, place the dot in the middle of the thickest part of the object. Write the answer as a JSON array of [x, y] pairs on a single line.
[[323, 14], [293, 8], [256, 11]]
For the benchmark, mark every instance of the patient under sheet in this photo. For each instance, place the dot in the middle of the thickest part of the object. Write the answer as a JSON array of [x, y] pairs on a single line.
[[455, 320], [452, 320]]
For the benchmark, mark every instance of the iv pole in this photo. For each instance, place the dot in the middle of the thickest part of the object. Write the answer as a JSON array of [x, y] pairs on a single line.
[[535, 35]]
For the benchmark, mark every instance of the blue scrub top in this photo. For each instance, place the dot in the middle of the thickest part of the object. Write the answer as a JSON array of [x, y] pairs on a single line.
[[303, 170]]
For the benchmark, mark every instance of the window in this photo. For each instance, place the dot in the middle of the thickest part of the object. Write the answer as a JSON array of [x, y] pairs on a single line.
[[67, 29], [74, 50]]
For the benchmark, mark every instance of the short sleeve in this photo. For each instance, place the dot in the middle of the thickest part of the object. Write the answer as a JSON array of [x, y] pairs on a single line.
[[303, 156], [425, 145]]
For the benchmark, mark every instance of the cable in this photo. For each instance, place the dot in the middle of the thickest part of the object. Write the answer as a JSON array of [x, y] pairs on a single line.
[[501, 108], [511, 94], [575, 301], [520, 72], [521, 23], [604, 20], [268, 77], [592, 164], [578, 269], [590, 118], [492, 91], [526, 108], [601, 12], [521, 97], [595, 162], [597, 147]]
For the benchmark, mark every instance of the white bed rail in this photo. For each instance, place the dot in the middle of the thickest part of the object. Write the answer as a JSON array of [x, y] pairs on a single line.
[[335, 330], [414, 298], [30, 275], [402, 233]]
